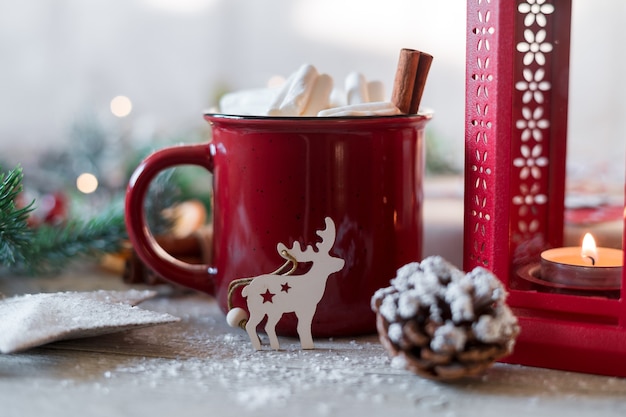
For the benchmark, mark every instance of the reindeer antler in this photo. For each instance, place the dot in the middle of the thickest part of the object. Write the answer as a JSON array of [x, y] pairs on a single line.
[[328, 240], [328, 236]]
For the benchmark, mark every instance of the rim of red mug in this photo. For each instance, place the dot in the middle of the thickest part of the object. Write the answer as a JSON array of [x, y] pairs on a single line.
[[425, 115]]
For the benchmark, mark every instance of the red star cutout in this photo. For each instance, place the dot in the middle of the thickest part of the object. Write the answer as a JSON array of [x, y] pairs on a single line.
[[267, 296], [285, 287]]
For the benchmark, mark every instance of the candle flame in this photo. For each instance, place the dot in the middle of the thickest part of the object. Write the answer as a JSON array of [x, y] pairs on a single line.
[[589, 250]]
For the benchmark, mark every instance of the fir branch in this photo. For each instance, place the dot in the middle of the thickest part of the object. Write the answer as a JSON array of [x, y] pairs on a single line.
[[77, 238], [53, 247], [14, 232], [50, 248]]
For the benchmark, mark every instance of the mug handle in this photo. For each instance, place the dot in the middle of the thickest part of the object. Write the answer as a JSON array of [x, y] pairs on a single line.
[[199, 277]]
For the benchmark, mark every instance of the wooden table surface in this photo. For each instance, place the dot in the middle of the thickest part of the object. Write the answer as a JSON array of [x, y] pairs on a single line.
[[201, 367]]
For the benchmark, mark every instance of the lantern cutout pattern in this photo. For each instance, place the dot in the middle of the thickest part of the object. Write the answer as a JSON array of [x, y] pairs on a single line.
[[517, 80]]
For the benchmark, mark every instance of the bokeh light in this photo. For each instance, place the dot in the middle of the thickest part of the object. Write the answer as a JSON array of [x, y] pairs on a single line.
[[87, 183], [121, 106]]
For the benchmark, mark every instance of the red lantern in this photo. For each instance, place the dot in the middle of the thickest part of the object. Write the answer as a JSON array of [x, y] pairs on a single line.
[[516, 135]]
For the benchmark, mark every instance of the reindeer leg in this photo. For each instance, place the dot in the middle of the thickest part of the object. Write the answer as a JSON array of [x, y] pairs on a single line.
[[253, 321], [305, 319], [270, 329]]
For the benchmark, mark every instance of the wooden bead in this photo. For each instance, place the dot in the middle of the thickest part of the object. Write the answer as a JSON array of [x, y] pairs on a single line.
[[236, 317]]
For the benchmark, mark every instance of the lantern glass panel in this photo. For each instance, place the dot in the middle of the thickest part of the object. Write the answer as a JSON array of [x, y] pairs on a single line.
[[596, 148]]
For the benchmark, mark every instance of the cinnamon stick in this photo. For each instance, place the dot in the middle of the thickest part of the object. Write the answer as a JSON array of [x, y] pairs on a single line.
[[420, 81], [404, 82]]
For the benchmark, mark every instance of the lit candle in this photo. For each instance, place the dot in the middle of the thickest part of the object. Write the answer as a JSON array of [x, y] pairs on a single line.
[[583, 267], [589, 250]]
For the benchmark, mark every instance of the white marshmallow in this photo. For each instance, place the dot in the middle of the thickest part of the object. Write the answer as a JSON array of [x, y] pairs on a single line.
[[376, 91], [338, 98], [294, 94], [375, 108], [320, 96], [252, 102], [308, 93], [356, 88], [281, 94]]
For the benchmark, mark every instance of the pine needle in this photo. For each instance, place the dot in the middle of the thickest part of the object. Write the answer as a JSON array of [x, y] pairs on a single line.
[[54, 247], [14, 232], [50, 248]]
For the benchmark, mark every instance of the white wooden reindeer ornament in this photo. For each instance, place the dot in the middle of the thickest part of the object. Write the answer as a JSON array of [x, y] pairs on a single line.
[[273, 294]]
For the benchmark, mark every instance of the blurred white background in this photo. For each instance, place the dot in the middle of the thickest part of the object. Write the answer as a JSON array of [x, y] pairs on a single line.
[[65, 58]]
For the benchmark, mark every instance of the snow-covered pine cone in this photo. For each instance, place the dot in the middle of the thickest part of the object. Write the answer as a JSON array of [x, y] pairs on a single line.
[[442, 323]]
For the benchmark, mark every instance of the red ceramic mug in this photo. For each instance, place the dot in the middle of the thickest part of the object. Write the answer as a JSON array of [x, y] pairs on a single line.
[[276, 180]]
